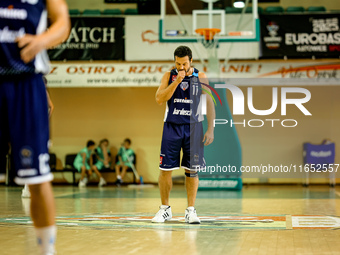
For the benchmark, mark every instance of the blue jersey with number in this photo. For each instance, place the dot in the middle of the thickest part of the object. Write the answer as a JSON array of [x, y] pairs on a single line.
[[17, 18], [184, 106]]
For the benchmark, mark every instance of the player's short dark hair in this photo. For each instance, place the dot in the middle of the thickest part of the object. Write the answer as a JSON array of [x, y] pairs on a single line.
[[127, 140], [90, 143], [182, 51], [103, 141]]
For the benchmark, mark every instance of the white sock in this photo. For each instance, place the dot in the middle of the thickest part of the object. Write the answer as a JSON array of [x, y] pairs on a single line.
[[164, 206], [191, 208], [46, 237], [119, 177]]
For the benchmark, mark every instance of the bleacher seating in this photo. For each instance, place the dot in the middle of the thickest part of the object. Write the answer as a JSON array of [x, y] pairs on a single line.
[[69, 159], [74, 12], [268, 10], [274, 9], [112, 12], [68, 165], [131, 12], [233, 10], [249, 9], [292, 9], [90, 12], [316, 9], [109, 170], [122, 1]]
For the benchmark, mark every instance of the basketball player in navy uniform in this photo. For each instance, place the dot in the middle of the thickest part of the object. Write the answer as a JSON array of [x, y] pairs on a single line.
[[23, 101], [181, 90]]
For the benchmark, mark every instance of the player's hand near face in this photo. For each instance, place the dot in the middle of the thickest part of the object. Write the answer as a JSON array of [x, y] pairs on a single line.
[[180, 76], [165, 91]]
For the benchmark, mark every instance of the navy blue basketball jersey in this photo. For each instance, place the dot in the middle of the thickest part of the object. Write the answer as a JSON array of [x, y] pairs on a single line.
[[184, 106], [17, 18]]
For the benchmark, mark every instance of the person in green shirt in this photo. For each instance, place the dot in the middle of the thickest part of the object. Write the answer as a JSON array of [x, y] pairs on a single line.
[[83, 163], [103, 155], [125, 158]]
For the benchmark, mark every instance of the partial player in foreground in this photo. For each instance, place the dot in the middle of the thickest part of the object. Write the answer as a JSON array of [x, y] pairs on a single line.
[[23, 101], [181, 90], [26, 192]]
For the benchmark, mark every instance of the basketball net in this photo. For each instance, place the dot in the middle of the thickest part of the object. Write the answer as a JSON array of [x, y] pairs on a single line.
[[206, 36]]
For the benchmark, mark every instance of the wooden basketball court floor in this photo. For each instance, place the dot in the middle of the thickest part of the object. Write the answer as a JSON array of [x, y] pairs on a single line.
[[110, 220]]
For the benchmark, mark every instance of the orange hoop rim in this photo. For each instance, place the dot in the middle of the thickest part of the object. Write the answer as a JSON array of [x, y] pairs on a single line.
[[208, 33]]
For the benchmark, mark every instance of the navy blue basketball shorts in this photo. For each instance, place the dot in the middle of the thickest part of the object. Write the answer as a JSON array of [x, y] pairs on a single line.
[[186, 137], [25, 126]]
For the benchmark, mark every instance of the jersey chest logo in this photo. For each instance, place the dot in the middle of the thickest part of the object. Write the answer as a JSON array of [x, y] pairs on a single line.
[[184, 85]]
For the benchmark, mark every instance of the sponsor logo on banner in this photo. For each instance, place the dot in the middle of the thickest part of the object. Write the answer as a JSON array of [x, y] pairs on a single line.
[[300, 35], [149, 36], [323, 34], [273, 41]]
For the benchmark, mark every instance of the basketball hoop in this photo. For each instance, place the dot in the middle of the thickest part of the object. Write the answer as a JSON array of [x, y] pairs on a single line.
[[207, 37], [208, 33], [210, 42]]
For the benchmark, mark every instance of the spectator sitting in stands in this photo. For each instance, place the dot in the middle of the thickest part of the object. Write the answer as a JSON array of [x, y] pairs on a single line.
[[83, 163], [125, 159]]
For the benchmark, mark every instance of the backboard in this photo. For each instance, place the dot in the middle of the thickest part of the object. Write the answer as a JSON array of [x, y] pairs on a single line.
[[180, 19]]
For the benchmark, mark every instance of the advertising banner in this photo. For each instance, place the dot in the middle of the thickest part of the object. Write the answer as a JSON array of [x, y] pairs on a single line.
[[113, 74], [300, 35], [92, 38]]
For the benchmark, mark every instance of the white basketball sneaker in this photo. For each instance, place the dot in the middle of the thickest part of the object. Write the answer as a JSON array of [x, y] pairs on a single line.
[[163, 214], [191, 216], [102, 182], [25, 192], [81, 184]]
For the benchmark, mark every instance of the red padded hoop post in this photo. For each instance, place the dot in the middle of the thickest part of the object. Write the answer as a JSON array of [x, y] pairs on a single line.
[[208, 33]]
